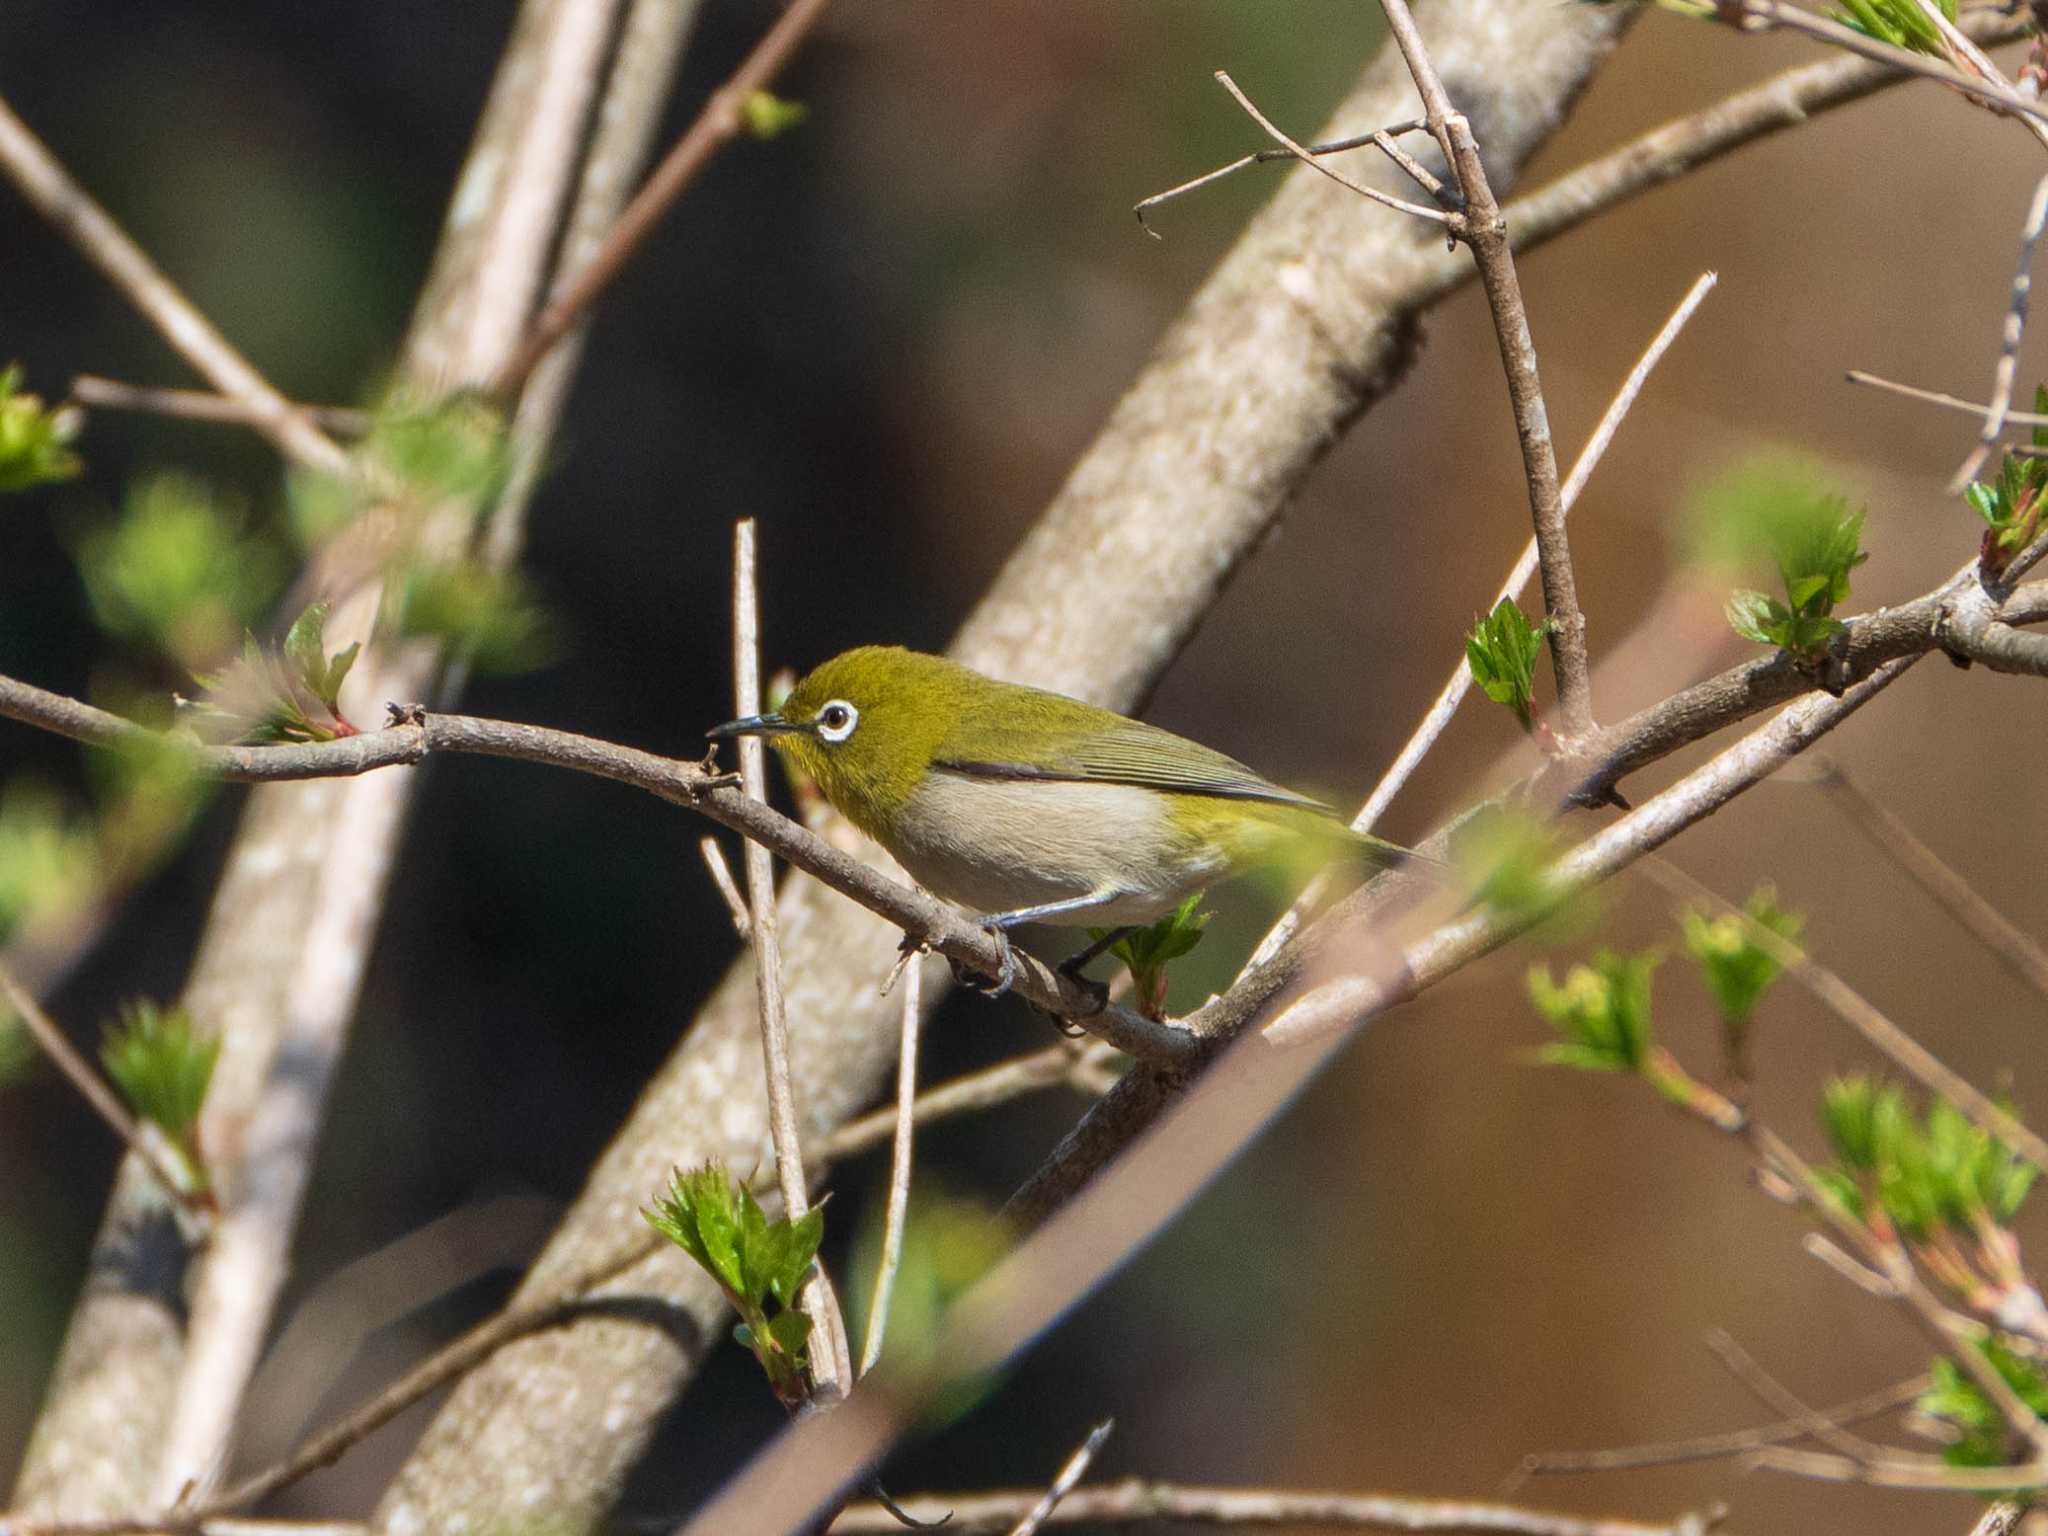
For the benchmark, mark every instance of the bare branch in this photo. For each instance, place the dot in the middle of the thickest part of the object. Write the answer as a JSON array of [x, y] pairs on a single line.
[[831, 1377], [2019, 953], [1135, 1503], [1769, 15], [1076, 1468], [2012, 333], [1483, 228], [100, 394], [1400, 205], [1733, 1443], [721, 121], [1936, 397], [1437, 718], [899, 1167], [728, 889], [28, 163]]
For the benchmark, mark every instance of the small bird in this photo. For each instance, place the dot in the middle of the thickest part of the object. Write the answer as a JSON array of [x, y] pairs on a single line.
[[1025, 806]]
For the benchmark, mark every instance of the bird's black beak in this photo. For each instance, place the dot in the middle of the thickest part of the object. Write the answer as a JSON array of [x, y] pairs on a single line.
[[753, 725]]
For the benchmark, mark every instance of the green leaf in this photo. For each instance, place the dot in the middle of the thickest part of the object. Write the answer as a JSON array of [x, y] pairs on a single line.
[[1849, 1111], [1502, 651], [177, 570], [1987, 503], [305, 649], [261, 697], [2040, 433], [491, 617], [1601, 1012], [1779, 508], [797, 1245], [1738, 970], [1843, 1190], [1147, 951], [769, 117], [1956, 1399], [701, 1216], [789, 1331], [49, 858], [33, 441], [161, 1065], [1757, 617]]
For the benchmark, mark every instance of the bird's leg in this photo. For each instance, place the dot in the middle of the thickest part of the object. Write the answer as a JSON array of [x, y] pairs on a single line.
[[1072, 967], [998, 924]]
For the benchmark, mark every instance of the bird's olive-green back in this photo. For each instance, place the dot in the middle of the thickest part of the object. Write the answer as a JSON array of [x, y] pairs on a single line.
[[917, 713]]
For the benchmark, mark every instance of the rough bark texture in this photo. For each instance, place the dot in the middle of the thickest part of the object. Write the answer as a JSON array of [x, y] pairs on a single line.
[[144, 1400], [1304, 324]]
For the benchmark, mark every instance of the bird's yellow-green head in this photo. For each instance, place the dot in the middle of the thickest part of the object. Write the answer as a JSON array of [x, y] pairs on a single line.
[[866, 726]]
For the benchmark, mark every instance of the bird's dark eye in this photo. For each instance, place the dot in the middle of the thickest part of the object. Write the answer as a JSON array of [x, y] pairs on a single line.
[[837, 720]]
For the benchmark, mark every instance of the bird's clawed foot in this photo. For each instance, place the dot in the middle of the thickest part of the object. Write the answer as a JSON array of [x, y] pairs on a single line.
[[1006, 972], [1098, 991]]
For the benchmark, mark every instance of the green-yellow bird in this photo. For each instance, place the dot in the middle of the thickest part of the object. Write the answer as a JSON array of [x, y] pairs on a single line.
[[1025, 806]]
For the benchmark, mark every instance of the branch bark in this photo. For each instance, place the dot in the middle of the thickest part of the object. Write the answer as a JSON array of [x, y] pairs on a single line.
[[1305, 324], [288, 935]]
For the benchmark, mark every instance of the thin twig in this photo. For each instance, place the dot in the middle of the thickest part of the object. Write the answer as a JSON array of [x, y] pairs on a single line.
[[1766, 15], [2012, 333], [28, 163], [142, 1137], [1485, 231], [1136, 1502], [1779, 1398], [1437, 718], [1062, 1485], [1736, 1442], [721, 876], [899, 1166], [101, 394], [722, 120], [2018, 952], [417, 733], [1381, 137], [1936, 397], [828, 1381], [1301, 153]]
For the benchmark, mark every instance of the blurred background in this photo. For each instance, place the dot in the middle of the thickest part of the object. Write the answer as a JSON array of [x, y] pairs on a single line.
[[887, 336]]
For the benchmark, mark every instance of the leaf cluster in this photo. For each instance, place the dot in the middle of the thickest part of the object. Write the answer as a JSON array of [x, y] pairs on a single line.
[[1506, 859], [48, 856], [1925, 1173], [293, 695], [1899, 22], [1601, 1012], [163, 1067], [34, 441], [1146, 952], [754, 1260], [177, 570], [1502, 651], [1782, 510], [2011, 505], [1981, 1430], [1738, 970]]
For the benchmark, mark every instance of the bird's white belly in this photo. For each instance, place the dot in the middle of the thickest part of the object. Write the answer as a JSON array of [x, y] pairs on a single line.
[[998, 845]]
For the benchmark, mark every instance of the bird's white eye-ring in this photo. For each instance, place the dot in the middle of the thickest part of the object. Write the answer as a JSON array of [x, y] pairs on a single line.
[[837, 720]]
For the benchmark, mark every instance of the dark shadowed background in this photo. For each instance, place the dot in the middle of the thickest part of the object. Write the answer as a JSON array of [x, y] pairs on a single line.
[[886, 336]]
